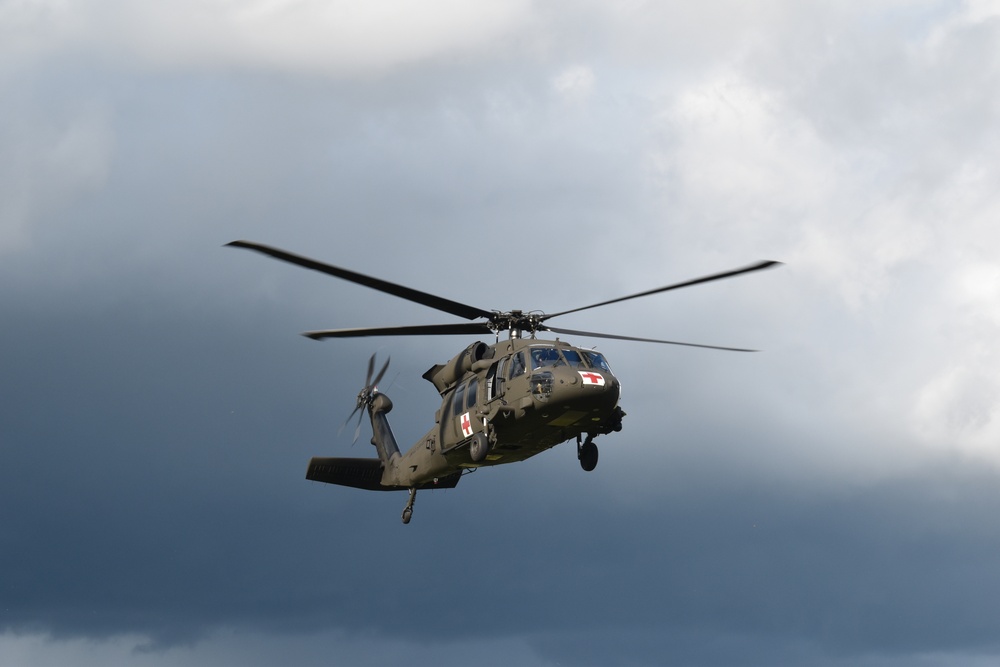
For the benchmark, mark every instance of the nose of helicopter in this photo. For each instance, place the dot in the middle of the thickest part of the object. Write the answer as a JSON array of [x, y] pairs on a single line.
[[575, 388]]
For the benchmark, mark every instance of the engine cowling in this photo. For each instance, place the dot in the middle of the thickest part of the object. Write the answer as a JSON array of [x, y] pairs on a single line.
[[444, 376]]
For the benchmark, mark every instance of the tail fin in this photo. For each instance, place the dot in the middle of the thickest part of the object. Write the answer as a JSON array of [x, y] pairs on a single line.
[[382, 437]]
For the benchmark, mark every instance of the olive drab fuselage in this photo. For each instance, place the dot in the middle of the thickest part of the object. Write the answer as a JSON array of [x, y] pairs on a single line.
[[518, 397]]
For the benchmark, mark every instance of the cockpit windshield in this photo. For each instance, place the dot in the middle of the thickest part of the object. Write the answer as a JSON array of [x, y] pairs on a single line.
[[544, 356], [573, 358], [597, 360]]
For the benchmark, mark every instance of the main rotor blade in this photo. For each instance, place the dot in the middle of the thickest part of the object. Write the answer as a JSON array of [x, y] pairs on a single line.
[[697, 281], [571, 332], [423, 298], [459, 328]]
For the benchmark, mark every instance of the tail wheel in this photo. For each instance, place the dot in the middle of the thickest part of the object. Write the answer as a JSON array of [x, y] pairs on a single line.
[[408, 510]]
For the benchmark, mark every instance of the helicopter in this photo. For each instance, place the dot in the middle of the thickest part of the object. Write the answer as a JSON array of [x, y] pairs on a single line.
[[500, 403]]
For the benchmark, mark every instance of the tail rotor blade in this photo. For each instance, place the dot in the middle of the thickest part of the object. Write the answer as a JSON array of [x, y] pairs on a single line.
[[371, 370], [357, 431], [348, 420], [366, 395], [381, 373]]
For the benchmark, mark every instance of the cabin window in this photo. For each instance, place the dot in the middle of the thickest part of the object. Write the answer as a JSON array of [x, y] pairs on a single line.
[[471, 393], [458, 401], [517, 365]]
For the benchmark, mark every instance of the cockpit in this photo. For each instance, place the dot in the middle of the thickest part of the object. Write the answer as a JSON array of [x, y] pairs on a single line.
[[542, 357]]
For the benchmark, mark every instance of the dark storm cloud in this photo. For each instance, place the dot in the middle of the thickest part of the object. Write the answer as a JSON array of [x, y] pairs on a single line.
[[174, 503], [802, 505], [153, 482]]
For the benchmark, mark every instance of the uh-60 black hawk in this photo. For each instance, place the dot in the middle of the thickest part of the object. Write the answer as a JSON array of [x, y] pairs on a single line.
[[500, 403]]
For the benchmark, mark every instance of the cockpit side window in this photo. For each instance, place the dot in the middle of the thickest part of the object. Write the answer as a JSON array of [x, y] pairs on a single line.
[[597, 360], [517, 365], [544, 356], [494, 380], [573, 358]]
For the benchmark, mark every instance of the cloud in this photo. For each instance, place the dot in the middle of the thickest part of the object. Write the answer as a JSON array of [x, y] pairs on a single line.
[[865, 169], [52, 159], [341, 38], [574, 82], [241, 648], [821, 502]]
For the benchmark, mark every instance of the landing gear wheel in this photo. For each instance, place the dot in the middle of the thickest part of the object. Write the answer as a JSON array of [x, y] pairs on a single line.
[[479, 447], [587, 453], [408, 510]]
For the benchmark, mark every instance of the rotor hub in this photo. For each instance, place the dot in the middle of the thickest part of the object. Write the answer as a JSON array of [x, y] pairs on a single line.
[[517, 322]]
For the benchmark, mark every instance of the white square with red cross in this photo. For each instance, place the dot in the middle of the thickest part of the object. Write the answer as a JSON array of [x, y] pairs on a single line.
[[592, 379], [466, 423]]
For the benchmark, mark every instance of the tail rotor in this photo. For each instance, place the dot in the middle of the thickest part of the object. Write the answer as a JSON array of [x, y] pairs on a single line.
[[366, 396]]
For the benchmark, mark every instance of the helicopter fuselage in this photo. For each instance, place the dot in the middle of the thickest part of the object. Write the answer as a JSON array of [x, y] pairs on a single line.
[[507, 402]]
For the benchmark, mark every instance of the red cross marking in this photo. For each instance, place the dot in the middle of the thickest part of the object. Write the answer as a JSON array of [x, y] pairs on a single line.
[[592, 378], [466, 424]]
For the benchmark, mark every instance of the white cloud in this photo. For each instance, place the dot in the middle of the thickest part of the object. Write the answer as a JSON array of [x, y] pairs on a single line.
[[958, 406], [869, 165], [49, 161], [246, 649], [29, 28], [574, 83], [341, 38]]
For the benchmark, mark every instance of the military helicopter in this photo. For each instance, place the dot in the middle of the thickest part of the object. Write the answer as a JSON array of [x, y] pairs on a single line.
[[500, 403]]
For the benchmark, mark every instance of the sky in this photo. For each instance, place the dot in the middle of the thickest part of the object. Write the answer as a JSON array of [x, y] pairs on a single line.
[[830, 500]]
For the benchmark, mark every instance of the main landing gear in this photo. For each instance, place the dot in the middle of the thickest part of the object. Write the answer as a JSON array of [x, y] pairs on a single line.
[[587, 452], [408, 510]]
